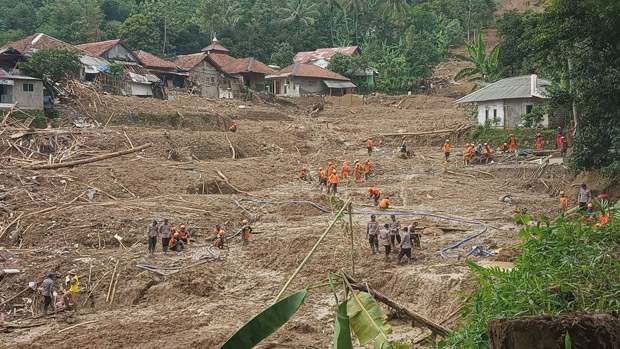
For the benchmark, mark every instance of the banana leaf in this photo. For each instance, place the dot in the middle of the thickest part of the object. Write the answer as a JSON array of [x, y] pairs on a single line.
[[367, 320], [266, 323], [342, 330]]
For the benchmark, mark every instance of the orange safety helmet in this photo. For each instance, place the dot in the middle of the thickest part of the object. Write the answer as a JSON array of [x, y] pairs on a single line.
[[369, 190], [505, 144], [320, 168], [562, 193], [245, 221], [590, 205], [330, 163], [182, 226], [176, 235], [334, 171]]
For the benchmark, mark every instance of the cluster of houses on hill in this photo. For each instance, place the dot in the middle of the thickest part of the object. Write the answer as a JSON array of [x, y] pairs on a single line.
[[209, 73]]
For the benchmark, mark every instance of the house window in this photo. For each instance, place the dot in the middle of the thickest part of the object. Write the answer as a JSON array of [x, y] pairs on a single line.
[[28, 87], [494, 114], [528, 108], [486, 115]]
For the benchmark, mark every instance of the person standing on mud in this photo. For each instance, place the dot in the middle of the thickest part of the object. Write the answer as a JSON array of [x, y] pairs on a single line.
[[372, 228], [415, 235], [246, 230], [47, 292], [394, 231], [333, 183], [403, 145], [73, 292], [405, 246], [164, 231], [152, 231], [385, 240], [446, 149], [369, 145], [585, 196]]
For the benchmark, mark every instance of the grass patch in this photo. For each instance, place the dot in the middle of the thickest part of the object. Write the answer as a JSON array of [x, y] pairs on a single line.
[[526, 138], [40, 120], [564, 268]]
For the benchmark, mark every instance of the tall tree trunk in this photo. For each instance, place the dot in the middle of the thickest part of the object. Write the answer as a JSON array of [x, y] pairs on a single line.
[[331, 24], [571, 84], [356, 15]]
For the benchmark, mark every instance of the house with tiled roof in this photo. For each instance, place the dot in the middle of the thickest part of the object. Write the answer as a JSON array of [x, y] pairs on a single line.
[[110, 50], [207, 74], [300, 79], [251, 70], [165, 70], [33, 43], [321, 57]]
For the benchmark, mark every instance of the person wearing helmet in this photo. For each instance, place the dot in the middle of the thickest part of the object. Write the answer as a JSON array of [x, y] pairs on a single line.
[[357, 170], [219, 236], [369, 145], [330, 168], [559, 133], [367, 169], [164, 231], [184, 235], [384, 204], [302, 175], [246, 230], [374, 194], [503, 148], [233, 128], [72, 294], [344, 172], [152, 231], [47, 291], [372, 228], [513, 143], [479, 149], [563, 202], [176, 244], [333, 183], [322, 177], [468, 154], [446, 149], [589, 214], [539, 142]]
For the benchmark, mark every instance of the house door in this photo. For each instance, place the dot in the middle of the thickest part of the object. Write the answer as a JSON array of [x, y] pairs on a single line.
[[6, 94]]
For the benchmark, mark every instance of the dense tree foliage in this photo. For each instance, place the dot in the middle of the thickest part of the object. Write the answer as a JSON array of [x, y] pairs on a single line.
[[578, 41], [406, 36], [52, 66]]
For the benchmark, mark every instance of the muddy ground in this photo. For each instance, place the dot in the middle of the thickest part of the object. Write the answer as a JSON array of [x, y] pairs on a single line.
[[57, 227]]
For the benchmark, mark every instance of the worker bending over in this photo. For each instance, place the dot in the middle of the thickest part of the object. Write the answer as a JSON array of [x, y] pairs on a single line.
[[183, 234], [384, 204], [233, 128], [375, 194], [219, 236], [372, 229], [176, 244], [322, 177]]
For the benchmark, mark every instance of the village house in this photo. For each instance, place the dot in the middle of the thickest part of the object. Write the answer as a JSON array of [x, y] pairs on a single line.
[[166, 71], [321, 57], [503, 103], [208, 76], [301, 79], [24, 91], [251, 70]]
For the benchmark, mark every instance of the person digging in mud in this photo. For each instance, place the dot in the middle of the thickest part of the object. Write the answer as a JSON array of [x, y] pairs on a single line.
[[446, 149], [219, 237], [184, 235], [367, 169], [384, 204], [164, 231], [369, 145], [152, 231], [405, 246], [503, 148], [333, 183], [246, 230], [302, 175], [47, 292], [415, 235], [385, 240], [233, 128], [374, 194], [176, 244], [72, 293], [394, 231], [372, 229]]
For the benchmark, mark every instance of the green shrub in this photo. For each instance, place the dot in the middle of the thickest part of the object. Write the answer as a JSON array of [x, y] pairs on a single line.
[[526, 138]]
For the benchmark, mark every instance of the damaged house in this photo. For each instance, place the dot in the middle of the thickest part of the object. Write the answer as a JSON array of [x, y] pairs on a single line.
[[166, 71], [205, 74], [301, 79]]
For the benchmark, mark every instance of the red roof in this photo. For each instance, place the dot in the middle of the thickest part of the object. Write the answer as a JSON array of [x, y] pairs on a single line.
[[189, 61], [214, 47], [245, 65], [324, 53], [36, 42], [96, 49], [221, 59], [311, 71], [152, 61]]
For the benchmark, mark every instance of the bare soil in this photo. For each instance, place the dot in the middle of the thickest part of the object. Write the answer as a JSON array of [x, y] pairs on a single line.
[[57, 227]]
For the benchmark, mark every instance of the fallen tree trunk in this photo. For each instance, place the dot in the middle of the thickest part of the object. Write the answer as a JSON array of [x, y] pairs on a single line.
[[416, 133], [89, 160], [430, 324]]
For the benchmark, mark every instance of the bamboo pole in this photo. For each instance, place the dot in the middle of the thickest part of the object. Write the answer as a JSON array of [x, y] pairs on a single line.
[[80, 324], [352, 242], [316, 245]]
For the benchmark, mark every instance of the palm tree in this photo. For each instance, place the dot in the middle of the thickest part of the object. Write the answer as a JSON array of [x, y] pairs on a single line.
[[393, 9], [301, 12], [331, 5], [357, 6], [485, 67]]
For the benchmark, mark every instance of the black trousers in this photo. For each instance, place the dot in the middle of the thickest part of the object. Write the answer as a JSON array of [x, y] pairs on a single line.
[[397, 237], [372, 239], [152, 243], [334, 188], [47, 302], [404, 252], [369, 151], [388, 249], [415, 239], [164, 244]]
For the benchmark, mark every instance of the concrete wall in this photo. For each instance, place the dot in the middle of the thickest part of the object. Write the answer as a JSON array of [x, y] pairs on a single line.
[[509, 111], [254, 79], [141, 89], [489, 110], [213, 83], [205, 74], [309, 86], [27, 99], [515, 108]]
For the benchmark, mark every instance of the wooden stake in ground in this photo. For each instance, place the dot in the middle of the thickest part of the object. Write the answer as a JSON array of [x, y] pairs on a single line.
[[111, 282], [90, 160]]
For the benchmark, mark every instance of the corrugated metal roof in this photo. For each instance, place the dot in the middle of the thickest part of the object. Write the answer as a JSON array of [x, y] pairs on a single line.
[[339, 84], [323, 54], [509, 88]]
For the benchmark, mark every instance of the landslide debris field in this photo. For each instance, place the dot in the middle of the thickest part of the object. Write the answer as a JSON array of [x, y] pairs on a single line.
[[61, 219]]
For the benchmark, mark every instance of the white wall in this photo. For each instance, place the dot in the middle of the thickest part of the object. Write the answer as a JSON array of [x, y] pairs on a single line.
[[490, 110], [141, 89]]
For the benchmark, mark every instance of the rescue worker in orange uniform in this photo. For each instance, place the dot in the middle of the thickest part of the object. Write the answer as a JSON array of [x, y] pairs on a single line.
[[384, 204], [446, 149], [357, 169], [375, 194], [333, 182], [468, 154], [330, 168], [488, 148], [367, 169], [233, 128], [176, 244], [513, 143], [184, 235], [539, 141], [322, 177], [345, 171], [246, 230], [503, 148], [302, 175], [563, 202], [369, 145], [219, 236]]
